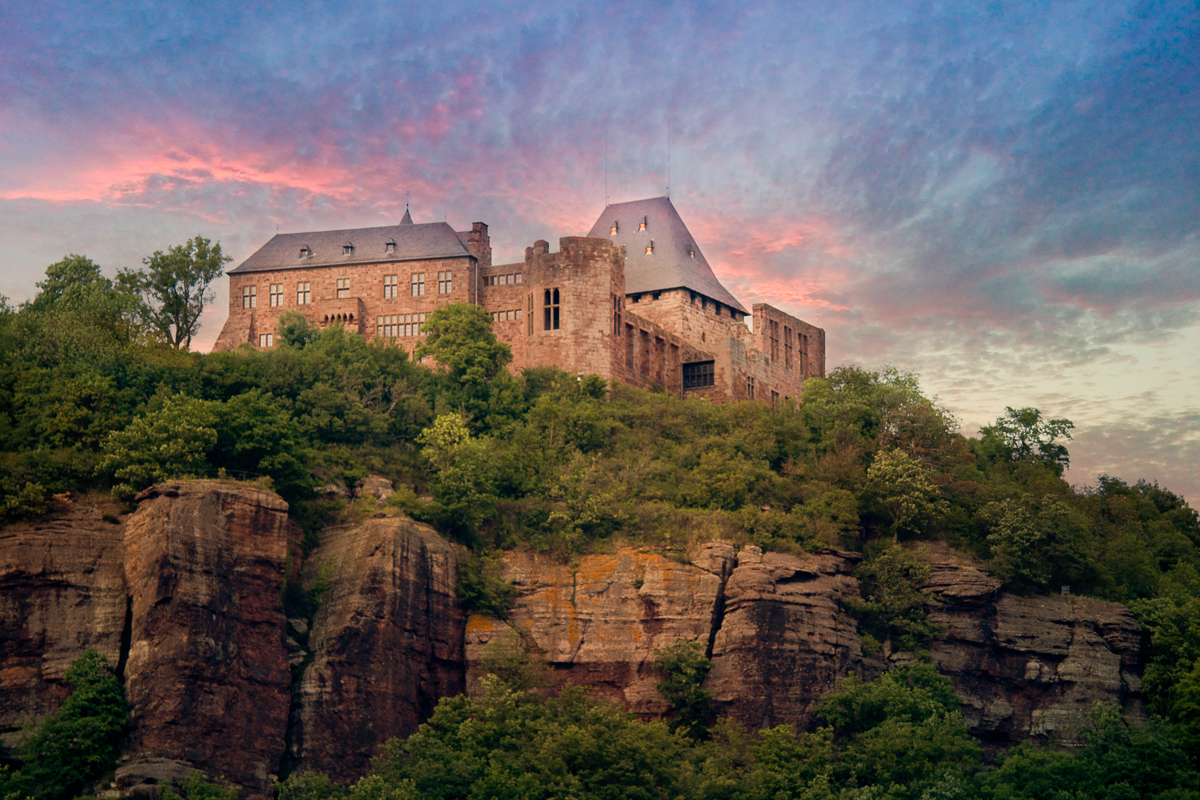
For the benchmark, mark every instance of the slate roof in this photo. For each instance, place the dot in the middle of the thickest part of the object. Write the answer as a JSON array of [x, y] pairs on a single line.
[[672, 264], [413, 242]]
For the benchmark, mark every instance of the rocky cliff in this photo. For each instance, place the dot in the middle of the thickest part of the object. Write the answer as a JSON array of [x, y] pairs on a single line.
[[185, 598]]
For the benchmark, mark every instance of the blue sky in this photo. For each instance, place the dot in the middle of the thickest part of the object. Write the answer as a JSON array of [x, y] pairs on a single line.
[[1003, 198]]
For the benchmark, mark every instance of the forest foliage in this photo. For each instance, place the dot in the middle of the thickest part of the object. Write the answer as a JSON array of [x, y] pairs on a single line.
[[94, 396]]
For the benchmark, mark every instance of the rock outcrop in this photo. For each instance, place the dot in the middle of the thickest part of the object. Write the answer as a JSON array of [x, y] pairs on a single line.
[[785, 638], [598, 623], [385, 644], [1027, 666], [61, 592], [207, 675]]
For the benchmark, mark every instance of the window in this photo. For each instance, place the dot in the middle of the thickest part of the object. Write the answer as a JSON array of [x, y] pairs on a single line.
[[650, 247], [692, 252], [773, 327], [418, 284], [787, 346], [276, 294], [613, 230], [249, 297], [391, 286], [516, 277], [303, 293], [347, 249], [343, 287], [445, 282], [698, 375], [389, 246], [305, 252], [550, 309], [529, 316], [394, 326], [644, 223], [266, 339], [616, 315], [774, 397], [749, 388]]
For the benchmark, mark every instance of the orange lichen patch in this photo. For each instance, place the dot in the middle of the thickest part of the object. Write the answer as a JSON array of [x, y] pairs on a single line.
[[480, 623]]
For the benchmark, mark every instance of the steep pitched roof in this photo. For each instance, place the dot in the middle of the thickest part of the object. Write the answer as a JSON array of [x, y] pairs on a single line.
[[327, 248], [676, 261]]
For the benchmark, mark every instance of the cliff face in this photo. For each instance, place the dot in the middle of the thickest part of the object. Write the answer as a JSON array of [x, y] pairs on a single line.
[[207, 674], [185, 597], [61, 592], [385, 645]]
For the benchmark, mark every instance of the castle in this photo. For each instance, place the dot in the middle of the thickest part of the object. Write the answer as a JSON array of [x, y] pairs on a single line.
[[634, 301]]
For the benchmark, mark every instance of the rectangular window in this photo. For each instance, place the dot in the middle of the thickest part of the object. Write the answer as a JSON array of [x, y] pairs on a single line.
[[275, 293], [749, 387], [773, 326], [445, 282], [774, 397], [249, 297], [418, 284], [303, 293], [787, 346], [697, 375], [343, 287], [266, 339], [529, 316], [517, 277], [550, 308], [391, 286], [616, 315]]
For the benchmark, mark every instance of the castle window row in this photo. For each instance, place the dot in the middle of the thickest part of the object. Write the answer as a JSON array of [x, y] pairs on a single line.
[[506, 316], [502, 280], [394, 326]]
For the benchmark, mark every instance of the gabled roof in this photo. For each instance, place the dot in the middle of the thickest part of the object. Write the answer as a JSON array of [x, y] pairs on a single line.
[[676, 261], [327, 248]]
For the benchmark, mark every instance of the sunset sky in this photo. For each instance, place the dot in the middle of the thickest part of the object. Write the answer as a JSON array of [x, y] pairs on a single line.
[[1003, 198]]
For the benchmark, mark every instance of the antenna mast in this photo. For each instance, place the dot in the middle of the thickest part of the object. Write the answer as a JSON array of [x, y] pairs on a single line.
[[606, 165], [668, 156]]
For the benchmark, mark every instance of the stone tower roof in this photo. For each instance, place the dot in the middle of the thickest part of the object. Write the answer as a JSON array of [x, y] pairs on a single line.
[[676, 260], [408, 241]]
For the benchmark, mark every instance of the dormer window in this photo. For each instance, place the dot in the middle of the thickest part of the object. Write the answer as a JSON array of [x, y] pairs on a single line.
[[305, 252], [645, 221], [692, 252], [613, 230], [347, 249], [389, 246], [650, 247]]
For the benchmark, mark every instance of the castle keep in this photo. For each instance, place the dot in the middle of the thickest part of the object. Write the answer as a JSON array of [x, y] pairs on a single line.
[[634, 301]]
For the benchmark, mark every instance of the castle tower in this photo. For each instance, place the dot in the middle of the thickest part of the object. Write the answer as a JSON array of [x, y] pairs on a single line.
[[574, 302]]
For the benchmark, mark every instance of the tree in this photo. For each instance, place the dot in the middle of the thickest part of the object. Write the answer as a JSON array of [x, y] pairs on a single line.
[[905, 489], [686, 667], [173, 289], [1022, 435], [171, 441], [79, 742]]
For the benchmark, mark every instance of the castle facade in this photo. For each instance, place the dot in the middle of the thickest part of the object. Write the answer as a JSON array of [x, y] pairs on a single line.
[[634, 301]]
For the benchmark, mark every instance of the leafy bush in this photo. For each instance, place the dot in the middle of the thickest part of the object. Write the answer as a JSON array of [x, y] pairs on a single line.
[[686, 667], [77, 744]]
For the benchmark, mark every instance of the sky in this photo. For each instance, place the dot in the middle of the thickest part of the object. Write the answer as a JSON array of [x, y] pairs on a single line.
[[1003, 198]]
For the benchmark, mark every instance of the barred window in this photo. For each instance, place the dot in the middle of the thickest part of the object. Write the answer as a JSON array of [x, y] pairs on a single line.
[[418, 284], [391, 286], [303, 293], [343, 287], [276, 294], [698, 375], [249, 297], [445, 282]]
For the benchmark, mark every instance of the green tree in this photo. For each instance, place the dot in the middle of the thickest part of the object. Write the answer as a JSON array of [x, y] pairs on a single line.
[[905, 490], [294, 330], [173, 289], [459, 337], [895, 607], [169, 442], [463, 484], [79, 742], [686, 667], [1022, 435]]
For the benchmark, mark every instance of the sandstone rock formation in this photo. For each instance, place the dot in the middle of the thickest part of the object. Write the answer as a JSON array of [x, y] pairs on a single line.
[[61, 592], [207, 677], [785, 638], [598, 623], [1029, 665], [386, 643]]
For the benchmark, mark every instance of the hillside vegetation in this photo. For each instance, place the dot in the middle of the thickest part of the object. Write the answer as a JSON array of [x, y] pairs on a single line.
[[92, 399]]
